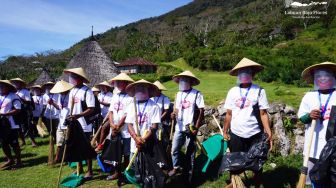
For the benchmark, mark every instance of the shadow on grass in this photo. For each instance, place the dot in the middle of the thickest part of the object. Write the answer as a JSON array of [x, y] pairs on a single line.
[[35, 161], [281, 177]]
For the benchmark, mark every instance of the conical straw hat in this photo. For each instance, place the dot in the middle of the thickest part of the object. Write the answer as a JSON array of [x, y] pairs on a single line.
[[105, 83], [61, 86], [18, 80], [194, 80], [48, 84], [153, 90], [160, 86], [78, 71], [244, 63], [9, 84], [122, 77], [36, 87], [94, 89], [308, 73]]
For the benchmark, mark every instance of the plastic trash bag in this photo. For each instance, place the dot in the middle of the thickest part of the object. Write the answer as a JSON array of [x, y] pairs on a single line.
[[251, 160], [324, 171]]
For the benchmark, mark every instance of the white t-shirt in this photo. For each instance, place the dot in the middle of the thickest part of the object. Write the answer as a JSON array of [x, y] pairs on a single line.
[[6, 105], [163, 102], [185, 103], [63, 103], [50, 110], [38, 103], [310, 102], [150, 115], [244, 123], [106, 98], [24, 94], [119, 104], [78, 95]]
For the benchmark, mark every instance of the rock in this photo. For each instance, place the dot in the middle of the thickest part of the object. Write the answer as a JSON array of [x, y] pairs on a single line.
[[209, 111], [289, 110], [298, 145], [273, 165], [298, 131], [276, 107], [281, 142], [221, 110]]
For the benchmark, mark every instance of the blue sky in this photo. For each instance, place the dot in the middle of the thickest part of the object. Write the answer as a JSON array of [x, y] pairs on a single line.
[[29, 26]]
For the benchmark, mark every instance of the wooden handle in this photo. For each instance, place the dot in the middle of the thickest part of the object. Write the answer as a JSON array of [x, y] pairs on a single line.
[[310, 140], [137, 131], [220, 128], [94, 139], [134, 155]]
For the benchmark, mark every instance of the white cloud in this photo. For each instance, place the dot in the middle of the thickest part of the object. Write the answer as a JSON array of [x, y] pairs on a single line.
[[44, 16]]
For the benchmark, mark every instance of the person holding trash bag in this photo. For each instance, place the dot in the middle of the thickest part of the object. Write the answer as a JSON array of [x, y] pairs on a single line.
[[189, 114], [117, 144], [10, 106], [143, 118], [246, 118], [83, 110], [63, 88], [316, 107]]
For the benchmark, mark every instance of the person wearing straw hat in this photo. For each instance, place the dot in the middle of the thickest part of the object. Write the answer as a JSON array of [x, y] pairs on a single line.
[[316, 105], [95, 91], [10, 105], [164, 104], [246, 118], [104, 97], [189, 114], [62, 88], [51, 109], [144, 116], [26, 109], [84, 104], [116, 125]]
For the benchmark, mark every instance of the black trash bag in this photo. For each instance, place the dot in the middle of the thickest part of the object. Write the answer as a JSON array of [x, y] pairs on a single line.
[[148, 170], [112, 151], [78, 146], [324, 171], [251, 160], [5, 128]]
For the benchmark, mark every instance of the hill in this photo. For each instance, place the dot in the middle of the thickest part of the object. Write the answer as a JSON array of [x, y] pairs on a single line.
[[210, 35]]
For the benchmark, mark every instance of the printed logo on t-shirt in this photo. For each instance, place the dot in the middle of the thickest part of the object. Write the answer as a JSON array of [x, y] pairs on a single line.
[[143, 119], [186, 104], [76, 100], [118, 106], [327, 113], [239, 102]]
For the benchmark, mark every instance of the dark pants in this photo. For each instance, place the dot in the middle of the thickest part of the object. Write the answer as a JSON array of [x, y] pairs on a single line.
[[51, 129]]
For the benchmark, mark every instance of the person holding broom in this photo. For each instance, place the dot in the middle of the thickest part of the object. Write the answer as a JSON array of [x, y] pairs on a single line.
[[143, 118], [63, 88], [246, 118], [189, 114], [316, 106], [119, 138], [51, 109], [84, 104], [10, 105], [38, 106]]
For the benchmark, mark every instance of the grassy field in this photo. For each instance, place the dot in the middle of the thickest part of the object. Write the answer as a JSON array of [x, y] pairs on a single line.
[[215, 85], [37, 174]]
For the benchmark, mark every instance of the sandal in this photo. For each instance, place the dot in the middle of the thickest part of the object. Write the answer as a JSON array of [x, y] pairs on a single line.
[[6, 165]]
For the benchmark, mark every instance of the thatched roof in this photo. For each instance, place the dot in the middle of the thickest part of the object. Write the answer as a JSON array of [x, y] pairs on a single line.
[[95, 62], [136, 61], [43, 78]]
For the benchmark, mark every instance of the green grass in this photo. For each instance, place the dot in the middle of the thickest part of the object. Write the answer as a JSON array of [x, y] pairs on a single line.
[[37, 174], [215, 85]]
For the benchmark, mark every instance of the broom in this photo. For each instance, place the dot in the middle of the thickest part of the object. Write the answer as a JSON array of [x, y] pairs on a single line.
[[304, 170], [40, 129], [51, 142], [65, 148], [235, 179], [94, 139]]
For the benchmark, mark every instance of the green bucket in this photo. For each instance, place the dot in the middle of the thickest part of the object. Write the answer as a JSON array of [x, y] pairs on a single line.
[[215, 146], [130, 176], [72, 181], [74, 164]]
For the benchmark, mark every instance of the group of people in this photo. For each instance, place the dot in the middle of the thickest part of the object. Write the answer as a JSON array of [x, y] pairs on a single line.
[[125, 117]]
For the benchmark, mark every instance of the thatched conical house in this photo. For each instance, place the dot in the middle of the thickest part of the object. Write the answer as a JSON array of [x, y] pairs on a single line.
[[94, 61], [43, 78]]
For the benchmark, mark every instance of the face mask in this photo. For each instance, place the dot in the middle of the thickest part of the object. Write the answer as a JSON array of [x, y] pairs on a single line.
[[184, 84], [244, 76], [35, 93], [121, 85], [73, 80], [47, 91], [141, 93], [323, 80]]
